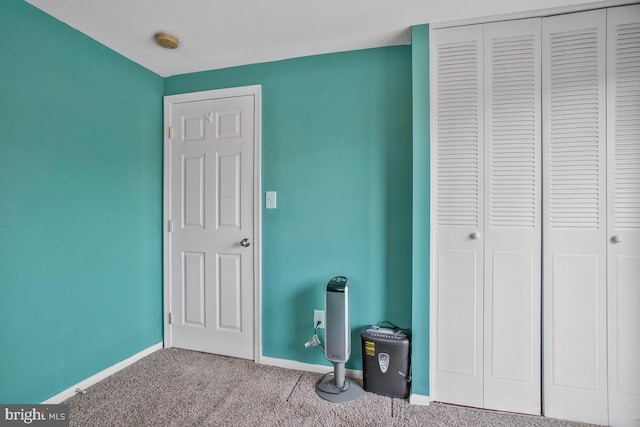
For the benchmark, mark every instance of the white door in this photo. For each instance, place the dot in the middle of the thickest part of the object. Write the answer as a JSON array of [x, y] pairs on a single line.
[[459, 215], [512, 242], [487, 211], [213, 239], [623, 142], [574, 218]]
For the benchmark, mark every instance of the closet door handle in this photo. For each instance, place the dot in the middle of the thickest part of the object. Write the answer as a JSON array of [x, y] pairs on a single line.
[[616, 239], [474, 236]]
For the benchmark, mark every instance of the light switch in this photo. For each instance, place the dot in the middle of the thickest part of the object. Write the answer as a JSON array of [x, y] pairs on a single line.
[[271, 199]]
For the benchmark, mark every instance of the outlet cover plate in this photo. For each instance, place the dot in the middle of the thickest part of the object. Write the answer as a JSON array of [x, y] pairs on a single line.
[[318, 315]]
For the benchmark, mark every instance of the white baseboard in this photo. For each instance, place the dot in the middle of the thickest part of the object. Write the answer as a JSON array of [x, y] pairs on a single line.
[[309, 367], [419, 399], [71, 391]]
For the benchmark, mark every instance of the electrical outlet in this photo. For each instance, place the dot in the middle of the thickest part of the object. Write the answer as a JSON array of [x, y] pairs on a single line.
[[318, 316]]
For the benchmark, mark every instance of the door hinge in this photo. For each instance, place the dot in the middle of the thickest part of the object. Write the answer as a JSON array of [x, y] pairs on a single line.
[[170, 226], [169, 318], [170, 130]]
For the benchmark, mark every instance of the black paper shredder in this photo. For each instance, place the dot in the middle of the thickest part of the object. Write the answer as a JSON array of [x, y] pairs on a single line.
[[386, 361]]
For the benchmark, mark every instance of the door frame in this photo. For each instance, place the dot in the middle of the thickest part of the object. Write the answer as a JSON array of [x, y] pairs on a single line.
[[169, 100]]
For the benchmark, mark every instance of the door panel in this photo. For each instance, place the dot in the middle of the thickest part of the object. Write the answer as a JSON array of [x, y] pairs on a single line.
[[229, 285], [511, 351], [623, 73], [457, 299], [574, 229], [212, 277], [459, 207], [228, 200], [193, 288], [576, 360], [513, 228], [193, 190]]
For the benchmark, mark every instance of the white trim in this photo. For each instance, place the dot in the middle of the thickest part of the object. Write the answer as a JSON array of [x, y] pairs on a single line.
[[88, 382], [419, 399], [537, 13], [212, 94], [432, 210], [257, 224], [169, 100], [309, 367], [166, 215]]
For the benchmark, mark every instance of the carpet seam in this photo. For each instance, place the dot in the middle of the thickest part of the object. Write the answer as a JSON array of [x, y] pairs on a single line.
[[294, 388]]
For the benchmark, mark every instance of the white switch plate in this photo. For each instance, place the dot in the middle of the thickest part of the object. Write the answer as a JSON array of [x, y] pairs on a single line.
[[271, 199], [318, 315]]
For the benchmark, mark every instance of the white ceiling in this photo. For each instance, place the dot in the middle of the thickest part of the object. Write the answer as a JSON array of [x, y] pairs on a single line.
[[223, 33]]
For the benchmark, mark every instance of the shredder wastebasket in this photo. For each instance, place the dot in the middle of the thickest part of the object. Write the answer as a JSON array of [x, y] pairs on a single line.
[[386, 361]]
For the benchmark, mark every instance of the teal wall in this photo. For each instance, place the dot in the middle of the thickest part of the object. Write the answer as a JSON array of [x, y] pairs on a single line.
[[345, 144], [337, 143], [421, 215], [80, 206]]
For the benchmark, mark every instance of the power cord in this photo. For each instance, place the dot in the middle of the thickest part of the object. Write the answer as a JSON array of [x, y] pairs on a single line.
[[338, 390], [397, 329], [315, 332]]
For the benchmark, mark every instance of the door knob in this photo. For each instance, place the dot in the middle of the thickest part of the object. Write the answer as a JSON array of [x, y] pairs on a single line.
[[475, 235], [616, 239], [245, 242]]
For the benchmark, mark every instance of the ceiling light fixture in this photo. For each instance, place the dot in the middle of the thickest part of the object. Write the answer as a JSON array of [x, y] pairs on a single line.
[[166, 40]]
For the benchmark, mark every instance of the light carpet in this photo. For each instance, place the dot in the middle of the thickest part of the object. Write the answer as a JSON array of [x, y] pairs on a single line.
[[175, 387]]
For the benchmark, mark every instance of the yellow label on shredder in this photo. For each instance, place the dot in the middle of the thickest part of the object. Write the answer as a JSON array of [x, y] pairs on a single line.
[[370, 348]]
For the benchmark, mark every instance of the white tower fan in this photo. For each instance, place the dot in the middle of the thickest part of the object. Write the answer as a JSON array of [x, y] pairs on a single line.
[[337, 348]]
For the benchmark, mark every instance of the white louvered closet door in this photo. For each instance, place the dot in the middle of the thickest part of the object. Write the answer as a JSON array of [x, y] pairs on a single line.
[[512, 216], [459, 219], [487, 206], [623, 143], [574, 227]]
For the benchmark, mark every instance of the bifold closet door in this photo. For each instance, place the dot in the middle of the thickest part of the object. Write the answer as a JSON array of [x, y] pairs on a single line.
[[512, 241], [574, 219], [459, 215], [487, 215], [623, 142]]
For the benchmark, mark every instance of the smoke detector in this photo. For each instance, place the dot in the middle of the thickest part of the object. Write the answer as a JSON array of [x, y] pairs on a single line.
[[166, 40]]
